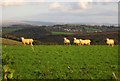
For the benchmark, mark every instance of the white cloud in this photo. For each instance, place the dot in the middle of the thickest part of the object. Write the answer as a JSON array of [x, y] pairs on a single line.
[[105, 0], [56, 5], [84, 4], [12, 2], [67, 6]]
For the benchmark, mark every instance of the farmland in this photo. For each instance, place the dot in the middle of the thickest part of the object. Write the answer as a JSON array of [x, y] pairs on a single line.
[[63, 62], [50, 59], [61, 33]]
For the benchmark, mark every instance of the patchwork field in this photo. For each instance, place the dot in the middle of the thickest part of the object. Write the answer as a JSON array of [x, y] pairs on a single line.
[[63, 62]]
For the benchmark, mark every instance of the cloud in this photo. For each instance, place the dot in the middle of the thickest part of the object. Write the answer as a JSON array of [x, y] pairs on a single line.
[[12, 2], [67, 6], [56, 5], [84, 4], [79, 4], [105, 0], [76, 5]]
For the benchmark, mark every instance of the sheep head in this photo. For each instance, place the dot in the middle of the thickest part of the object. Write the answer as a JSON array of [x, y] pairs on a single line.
[[107, 38], [74, 38], [22, 38], [64, 38]]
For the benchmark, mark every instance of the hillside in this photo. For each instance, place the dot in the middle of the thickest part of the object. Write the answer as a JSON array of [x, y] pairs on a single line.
[[32, 32], [35, 23], [55, 34], [10, 42]]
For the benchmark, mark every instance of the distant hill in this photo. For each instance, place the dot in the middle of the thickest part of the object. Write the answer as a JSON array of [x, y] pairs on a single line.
[[34, 32], [41, 23], [34, 23], [9, 23], [44, 23], [93, 23]]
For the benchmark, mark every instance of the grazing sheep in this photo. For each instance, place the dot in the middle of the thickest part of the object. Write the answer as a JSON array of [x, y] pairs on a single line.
[[76, 41], [27, 41], [110, 42], [85, 42], [66, 41]]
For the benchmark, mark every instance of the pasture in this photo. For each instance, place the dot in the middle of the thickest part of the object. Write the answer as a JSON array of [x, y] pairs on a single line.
[[62, 33], [63, 62], [9, 42]]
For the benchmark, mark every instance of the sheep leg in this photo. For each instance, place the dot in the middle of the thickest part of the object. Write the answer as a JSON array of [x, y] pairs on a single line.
[[31, 44], [112, 45], [24, 44], [79, 43], [64, 43], [68, 43]]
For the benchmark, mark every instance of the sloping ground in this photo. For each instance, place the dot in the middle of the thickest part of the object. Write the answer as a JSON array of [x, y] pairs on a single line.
[[30, 32], [10, 42], [10, 29]]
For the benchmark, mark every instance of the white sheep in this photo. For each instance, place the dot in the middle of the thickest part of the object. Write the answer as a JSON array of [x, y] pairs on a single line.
[[110, 42], [66, 41], [27, 41], [76, 41], [85, 42]]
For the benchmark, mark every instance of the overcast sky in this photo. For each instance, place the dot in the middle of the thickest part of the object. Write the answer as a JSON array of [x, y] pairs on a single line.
[[96, 11]]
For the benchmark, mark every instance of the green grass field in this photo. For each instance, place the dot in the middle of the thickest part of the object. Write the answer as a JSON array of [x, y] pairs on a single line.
[[63, 62], [62, 33]]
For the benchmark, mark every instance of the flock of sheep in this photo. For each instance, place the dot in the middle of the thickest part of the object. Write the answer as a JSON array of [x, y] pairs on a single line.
[[76, 41]]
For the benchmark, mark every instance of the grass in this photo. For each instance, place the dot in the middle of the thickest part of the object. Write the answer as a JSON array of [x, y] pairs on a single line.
[[63, 62], [93, 29], [10, 42], [62, 33]]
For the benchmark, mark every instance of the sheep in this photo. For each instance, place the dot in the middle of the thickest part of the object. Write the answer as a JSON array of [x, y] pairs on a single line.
[[66, 41], [27, 41], [110, 42], [76, 41], [85, 42]]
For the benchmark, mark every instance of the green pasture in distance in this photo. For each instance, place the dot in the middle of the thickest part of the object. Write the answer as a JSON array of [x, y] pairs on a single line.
[[62, 33], [10, 29]]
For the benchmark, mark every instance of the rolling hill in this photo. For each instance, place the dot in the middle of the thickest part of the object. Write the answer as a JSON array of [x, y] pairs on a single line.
[[10, 42], [55, 34]]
